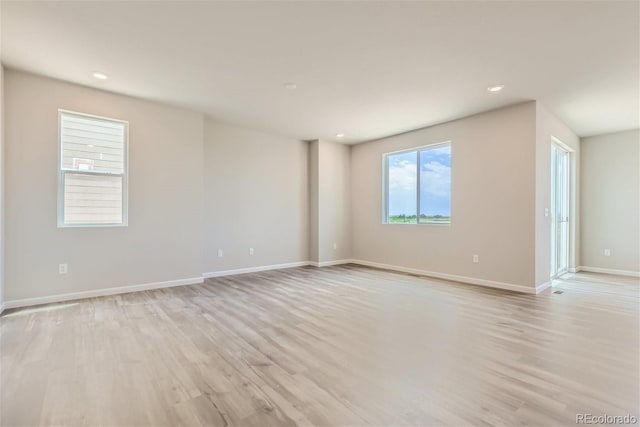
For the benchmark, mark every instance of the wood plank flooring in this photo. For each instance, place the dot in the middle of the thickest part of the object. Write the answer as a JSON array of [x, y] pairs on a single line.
[[337, 346]]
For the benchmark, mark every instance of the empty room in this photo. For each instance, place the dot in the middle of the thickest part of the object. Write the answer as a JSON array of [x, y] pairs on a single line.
[[319, 213]]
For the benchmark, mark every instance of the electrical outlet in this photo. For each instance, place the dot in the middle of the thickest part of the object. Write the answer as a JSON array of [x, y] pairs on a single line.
[[62, 268], [607, 252], [476, 259], [335, 246], [546, 211], [251, 251], [220, 253]]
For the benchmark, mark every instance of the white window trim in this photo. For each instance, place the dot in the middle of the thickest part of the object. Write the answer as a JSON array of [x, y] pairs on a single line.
[[385, 186], [62, 172]]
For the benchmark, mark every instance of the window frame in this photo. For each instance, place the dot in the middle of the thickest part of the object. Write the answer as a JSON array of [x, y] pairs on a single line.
[[385, 183], [63, 172]]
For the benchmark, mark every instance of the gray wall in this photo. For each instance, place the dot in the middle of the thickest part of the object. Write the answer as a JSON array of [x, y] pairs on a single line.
[[198, 185], [163, 241], [493, 186], [330, 193], [256, 196], [314, 200], [610, 189], [334, 240]]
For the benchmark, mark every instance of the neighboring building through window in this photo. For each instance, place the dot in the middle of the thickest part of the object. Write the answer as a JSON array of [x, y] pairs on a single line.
[[418, 185], [92, 179]]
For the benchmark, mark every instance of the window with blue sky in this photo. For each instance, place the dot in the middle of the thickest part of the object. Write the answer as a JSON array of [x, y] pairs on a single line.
[[418, 186]]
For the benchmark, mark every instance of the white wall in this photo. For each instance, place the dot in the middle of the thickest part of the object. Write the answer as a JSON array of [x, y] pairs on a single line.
[[610, 189], [548, 126], [333, 193], [256, 196], [163, 241], [493, 201]]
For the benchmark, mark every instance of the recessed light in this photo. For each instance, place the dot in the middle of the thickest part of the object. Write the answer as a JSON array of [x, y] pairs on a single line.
[[290, 85], [494, 89], [339, 135], [100, 76]]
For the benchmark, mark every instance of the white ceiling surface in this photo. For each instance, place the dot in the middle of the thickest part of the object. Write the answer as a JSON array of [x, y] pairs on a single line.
[[365, 69]]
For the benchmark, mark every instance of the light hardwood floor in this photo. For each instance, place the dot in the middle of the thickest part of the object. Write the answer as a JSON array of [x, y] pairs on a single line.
[[343, 345]]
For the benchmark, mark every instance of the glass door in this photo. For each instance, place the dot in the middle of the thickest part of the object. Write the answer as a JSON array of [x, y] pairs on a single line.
[[559, 210]]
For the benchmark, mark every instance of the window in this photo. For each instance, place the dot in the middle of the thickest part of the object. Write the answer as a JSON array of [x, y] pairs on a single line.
[[418, 185], [92, 179]]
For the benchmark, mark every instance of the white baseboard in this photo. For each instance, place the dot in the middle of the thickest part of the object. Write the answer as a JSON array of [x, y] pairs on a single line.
[[608, 271], [542, 287], [254, 269], [26, 302], [330, 263], [453, 277], [99, 292], [197, 280]]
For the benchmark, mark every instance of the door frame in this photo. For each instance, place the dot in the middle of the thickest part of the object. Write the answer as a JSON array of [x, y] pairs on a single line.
[[572, 204]]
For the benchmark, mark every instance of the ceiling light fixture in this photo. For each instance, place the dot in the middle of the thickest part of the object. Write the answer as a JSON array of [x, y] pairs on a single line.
[[100, 76], [339, 135], [495, 89], [290, 85]]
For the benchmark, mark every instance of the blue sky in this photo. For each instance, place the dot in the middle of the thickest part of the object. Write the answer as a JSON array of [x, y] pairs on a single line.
[[435, 182]]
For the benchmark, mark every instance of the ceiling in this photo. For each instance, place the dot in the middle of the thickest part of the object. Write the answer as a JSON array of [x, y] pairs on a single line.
[[365, 69]]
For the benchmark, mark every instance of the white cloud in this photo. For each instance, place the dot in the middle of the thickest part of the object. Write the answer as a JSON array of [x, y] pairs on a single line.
[[441, 150], [435, 185], [402, 176], [435, 179]]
